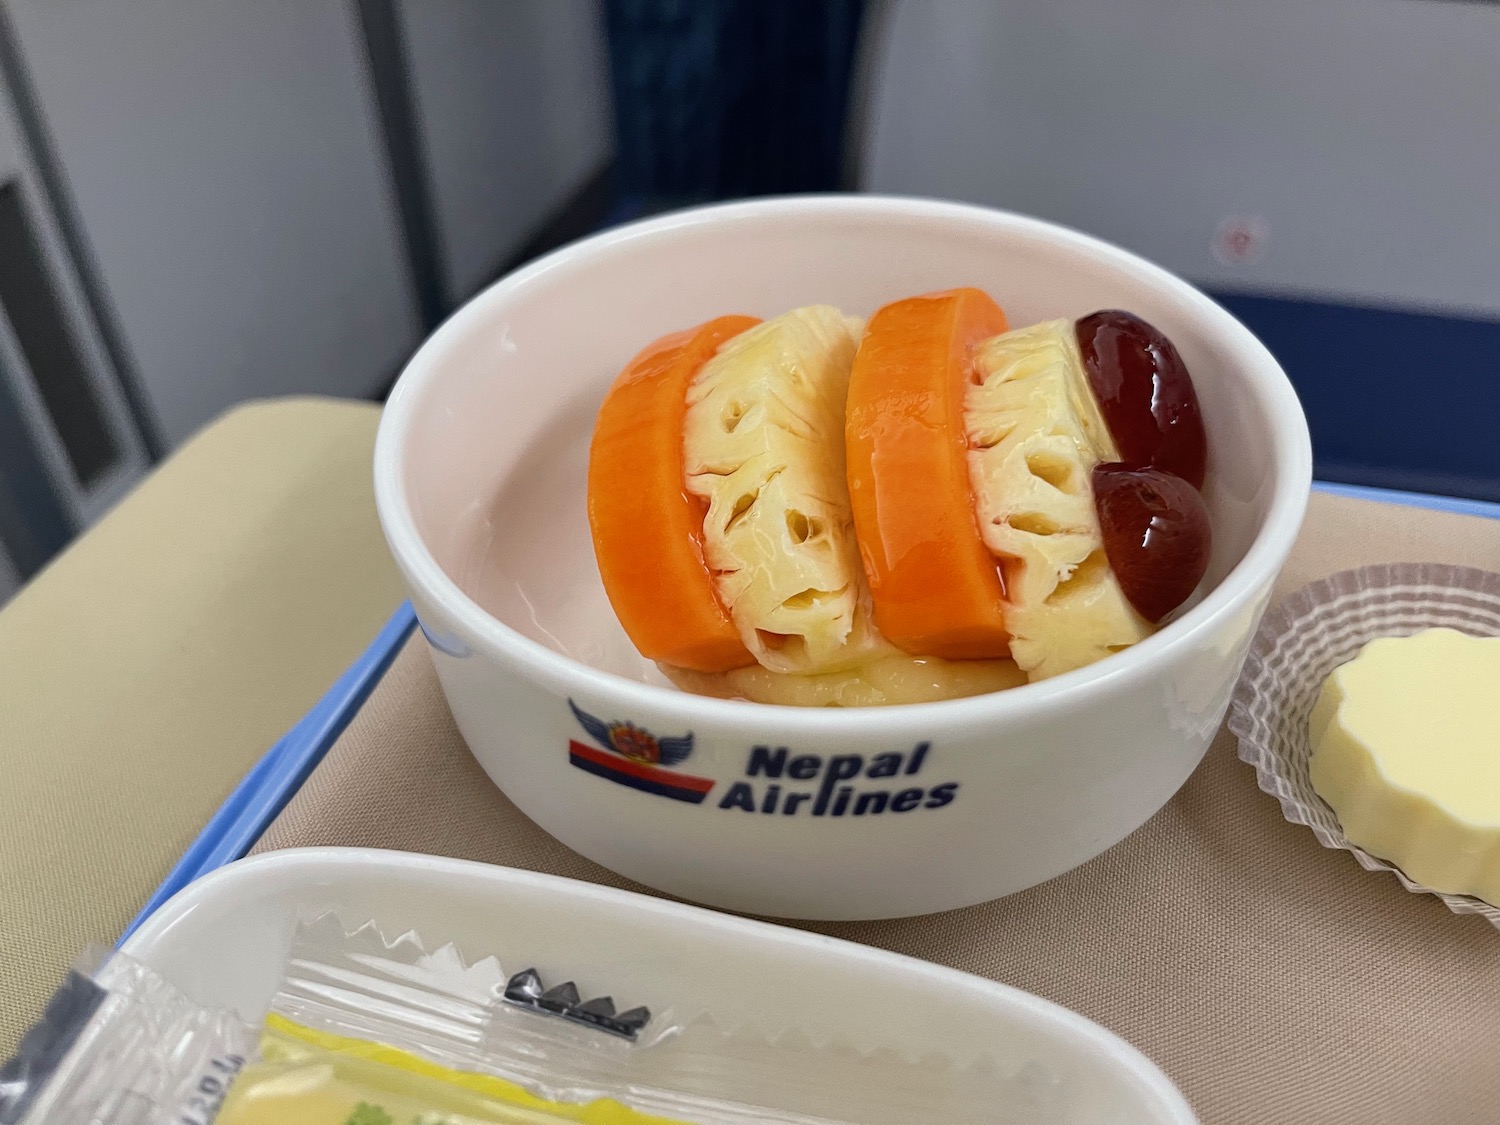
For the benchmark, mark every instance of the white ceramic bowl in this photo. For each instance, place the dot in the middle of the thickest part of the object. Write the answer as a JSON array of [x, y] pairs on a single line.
[[479, 477]]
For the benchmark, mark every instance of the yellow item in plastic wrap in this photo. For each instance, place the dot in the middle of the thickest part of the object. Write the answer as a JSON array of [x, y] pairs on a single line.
[[310, 1077]]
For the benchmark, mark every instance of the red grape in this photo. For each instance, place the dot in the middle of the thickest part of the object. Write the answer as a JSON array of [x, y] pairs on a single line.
[[1156, 535], [1145, 394]]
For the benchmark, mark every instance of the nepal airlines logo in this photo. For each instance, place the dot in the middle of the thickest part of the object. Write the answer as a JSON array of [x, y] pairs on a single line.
[[633, 756]]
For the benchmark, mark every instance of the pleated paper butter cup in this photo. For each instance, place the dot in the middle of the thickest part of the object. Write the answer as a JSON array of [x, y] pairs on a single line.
[[1300, 643]]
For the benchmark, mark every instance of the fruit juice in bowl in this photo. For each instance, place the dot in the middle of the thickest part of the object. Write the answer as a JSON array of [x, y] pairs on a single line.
[[666, 494]]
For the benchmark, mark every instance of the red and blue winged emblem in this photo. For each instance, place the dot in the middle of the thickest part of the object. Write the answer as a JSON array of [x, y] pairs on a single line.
[[634, 742], [633, 756]]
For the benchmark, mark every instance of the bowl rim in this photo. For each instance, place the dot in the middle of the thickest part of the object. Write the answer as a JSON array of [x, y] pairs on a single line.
[[1290, 461]]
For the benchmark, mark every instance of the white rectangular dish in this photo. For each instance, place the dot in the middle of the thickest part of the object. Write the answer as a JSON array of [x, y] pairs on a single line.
[[224, 940]]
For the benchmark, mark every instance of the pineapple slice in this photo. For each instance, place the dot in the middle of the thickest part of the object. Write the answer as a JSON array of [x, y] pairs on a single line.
[[892, 678], [1035, 434], [763, 444]]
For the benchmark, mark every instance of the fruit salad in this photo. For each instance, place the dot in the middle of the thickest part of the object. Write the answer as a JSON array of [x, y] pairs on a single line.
[[822, 511]]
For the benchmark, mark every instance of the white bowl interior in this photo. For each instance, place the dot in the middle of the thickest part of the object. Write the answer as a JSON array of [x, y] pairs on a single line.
[[505, 395]]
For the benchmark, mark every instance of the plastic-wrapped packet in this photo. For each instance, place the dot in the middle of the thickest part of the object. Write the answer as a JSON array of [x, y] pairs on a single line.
[[558, 1052], [118, 1045]]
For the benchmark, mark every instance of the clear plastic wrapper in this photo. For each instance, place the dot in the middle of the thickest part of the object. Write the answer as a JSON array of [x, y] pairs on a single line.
[[584, 1057], [370, 1031], [118, 1045]]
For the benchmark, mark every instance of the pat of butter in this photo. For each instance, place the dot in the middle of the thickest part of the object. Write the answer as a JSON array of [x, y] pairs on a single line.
[[1406, 750]]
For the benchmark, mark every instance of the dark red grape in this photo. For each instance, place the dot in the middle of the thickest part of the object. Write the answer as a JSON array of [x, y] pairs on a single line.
[[1156, 535], [1145, 394]]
